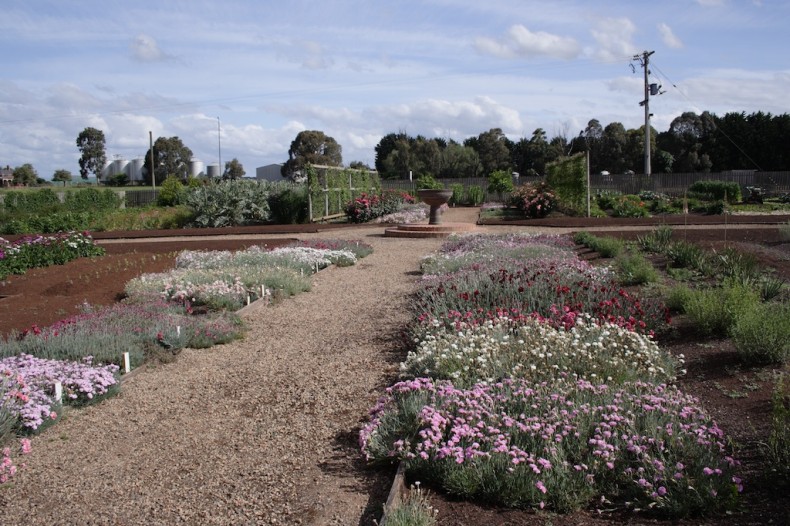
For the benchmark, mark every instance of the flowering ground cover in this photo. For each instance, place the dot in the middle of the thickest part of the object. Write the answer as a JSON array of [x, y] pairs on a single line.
[[547, 401], [42, 251]]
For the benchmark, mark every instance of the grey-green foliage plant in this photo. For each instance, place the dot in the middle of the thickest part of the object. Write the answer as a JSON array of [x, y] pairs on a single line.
[[229, 203], [634, 269], [762, 334], [715, 311]]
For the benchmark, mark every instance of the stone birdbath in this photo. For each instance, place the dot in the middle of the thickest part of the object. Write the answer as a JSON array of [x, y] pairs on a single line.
[[435, 199]]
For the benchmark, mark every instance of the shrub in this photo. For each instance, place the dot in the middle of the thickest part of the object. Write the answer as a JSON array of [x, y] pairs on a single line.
[[716, 191], [171, 192], [229, 203], [91, 199], [288, 204], [475, 195], [367, 207], [628, 206], [534, 200], [459, 194], [500, 182], [607, 247], [428, 182], [677, 298], [634, 269], [715, 311], [762, 334]]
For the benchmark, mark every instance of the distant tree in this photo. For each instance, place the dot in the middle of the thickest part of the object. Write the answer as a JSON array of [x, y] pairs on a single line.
[[385, 147], [91, 144], [233, 170], [459, 161], [359, 165], [399, 162], [63, 176], [171, 159], [25, 175], [492, 148], [613, 146], [427, 156], [311, 147]]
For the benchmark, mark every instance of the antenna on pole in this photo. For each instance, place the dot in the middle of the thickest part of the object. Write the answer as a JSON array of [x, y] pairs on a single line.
[[650, 89]]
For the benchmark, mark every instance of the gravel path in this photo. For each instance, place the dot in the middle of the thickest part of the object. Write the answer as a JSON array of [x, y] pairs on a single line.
[[260, 431]]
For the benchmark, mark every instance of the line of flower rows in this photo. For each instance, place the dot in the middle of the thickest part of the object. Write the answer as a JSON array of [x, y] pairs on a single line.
[[83, 352], [227, 280], [562, 406], [41, 251]]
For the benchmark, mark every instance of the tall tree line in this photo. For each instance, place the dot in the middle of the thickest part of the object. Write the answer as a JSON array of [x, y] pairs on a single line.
[[693, 143]]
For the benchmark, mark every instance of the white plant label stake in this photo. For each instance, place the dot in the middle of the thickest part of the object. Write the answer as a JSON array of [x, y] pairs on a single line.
[[58, 391], [127, 365]]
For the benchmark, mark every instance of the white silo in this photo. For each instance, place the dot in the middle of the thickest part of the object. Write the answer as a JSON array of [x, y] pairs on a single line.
[[134, 170], [119, 166], [212, 170], [196, 167], [105, 172]]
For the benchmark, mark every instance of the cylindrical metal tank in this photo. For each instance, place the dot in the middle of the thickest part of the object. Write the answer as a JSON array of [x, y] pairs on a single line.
[[135, 169], [105, 172], [118, 166], [212, 170], [196, 168]]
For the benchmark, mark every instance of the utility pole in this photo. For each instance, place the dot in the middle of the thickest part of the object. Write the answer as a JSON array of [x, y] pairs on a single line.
[[650, 89], [219, 148]]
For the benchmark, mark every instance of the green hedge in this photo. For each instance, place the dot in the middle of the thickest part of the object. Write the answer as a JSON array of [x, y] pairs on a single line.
[[716, 191]]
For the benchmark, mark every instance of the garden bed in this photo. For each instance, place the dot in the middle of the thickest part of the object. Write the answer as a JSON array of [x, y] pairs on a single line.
[[737, 397]]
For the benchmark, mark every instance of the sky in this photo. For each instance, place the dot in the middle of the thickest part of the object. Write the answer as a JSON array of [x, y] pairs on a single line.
[[240, 79]]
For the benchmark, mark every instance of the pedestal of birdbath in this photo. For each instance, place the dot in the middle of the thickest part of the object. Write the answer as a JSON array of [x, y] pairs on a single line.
[[434, 199]]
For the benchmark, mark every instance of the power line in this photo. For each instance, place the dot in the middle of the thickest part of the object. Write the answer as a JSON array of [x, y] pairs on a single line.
[[718, 129]]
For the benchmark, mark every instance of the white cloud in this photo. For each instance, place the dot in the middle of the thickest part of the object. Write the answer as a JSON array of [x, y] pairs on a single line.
[[145, 49], [613, 36], [669, 37], [520, 42]]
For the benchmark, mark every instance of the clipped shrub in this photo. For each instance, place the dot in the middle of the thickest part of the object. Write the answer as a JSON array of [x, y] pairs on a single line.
[[91, 199], [716, 191], [762, 334], [36, 202]]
